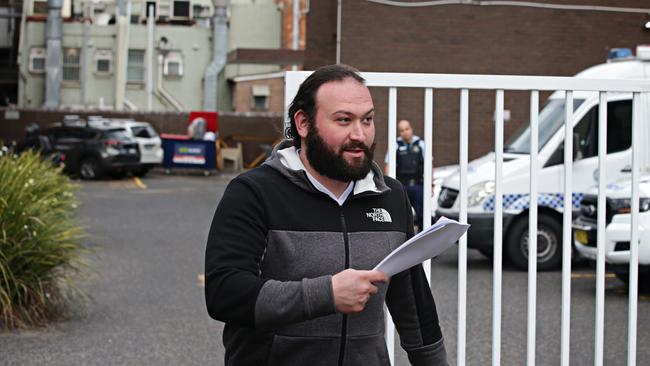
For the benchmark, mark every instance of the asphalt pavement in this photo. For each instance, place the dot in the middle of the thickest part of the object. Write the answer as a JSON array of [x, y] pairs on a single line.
[[147, 305]]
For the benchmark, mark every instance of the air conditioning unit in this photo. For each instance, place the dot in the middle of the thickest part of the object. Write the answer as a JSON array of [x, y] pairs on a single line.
[[164, 10], [37, 57], [181, 10]]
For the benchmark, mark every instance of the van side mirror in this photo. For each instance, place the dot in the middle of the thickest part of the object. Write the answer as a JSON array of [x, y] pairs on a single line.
[[557, 157]]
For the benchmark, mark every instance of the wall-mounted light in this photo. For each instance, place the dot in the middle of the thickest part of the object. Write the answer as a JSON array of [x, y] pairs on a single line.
[[646, 26]]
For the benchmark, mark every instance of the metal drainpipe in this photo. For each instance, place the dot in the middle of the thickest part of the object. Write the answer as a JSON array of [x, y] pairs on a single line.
[[121, 8], [22, 85], [122, 24], [296, 15], [83, 69], [150, 56], [219, 50], [54, 57], [338, 31]]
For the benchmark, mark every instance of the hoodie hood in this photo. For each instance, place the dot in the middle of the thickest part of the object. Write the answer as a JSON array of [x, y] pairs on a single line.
[[285, 159]]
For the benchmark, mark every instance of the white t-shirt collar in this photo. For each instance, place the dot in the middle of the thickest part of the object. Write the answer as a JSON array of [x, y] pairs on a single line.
[[290, 158]]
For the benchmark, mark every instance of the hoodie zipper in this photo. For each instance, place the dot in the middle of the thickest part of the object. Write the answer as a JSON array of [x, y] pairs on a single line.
[[344, 323]]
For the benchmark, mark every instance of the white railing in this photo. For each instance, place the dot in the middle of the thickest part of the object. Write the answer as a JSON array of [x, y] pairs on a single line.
[[534, 84]]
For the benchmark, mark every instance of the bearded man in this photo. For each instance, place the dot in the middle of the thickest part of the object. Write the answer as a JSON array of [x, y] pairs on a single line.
[[293, 242]]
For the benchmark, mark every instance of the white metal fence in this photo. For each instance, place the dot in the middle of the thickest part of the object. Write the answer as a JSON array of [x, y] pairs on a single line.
[[534, 84]]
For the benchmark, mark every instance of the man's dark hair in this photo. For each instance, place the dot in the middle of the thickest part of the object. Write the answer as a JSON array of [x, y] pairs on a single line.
[[305, 98]]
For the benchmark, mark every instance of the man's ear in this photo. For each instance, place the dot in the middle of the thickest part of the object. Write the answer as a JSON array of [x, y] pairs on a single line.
[[302, 123]]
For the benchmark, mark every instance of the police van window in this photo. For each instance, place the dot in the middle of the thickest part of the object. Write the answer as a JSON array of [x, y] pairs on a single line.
[[619, 129], [619, 132], [619, 126]]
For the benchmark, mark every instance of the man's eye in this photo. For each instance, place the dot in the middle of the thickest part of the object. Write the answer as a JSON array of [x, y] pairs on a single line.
[[369, 119], [344, 119]]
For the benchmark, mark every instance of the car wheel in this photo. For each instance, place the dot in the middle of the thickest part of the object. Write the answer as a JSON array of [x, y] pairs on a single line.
[[549, 243], [90, 169]]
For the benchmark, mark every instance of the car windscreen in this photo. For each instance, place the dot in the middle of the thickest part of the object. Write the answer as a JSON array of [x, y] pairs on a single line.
[[143, 131], [551, 118]]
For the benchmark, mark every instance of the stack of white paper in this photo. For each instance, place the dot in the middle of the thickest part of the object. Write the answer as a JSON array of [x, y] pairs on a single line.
[[427, 244]]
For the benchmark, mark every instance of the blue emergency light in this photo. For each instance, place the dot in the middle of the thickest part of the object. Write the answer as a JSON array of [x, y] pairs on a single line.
[[619, 54]]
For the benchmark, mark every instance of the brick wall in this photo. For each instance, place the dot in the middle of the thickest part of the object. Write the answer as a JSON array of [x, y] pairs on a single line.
[[243, 97], [253, 129], [467, 39]]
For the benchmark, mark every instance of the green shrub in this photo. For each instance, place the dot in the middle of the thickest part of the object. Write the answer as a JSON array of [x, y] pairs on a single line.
[[41, 255]]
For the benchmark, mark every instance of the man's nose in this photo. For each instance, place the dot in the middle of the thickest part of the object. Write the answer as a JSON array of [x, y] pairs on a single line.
[[357, 133]]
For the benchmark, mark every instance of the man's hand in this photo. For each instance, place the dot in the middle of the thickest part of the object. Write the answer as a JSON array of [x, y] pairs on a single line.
[[353, 288]]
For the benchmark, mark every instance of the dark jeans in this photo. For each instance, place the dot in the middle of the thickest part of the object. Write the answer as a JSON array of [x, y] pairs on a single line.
[[416, 194]]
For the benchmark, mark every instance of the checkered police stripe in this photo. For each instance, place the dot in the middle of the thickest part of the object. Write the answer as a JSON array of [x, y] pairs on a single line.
[[520, 202]]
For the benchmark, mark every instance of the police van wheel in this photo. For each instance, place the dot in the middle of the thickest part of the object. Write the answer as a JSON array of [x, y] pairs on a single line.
[[549, 243], [487, 253]]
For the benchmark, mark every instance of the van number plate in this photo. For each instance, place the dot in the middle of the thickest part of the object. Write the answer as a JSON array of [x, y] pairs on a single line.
[[582, 237]]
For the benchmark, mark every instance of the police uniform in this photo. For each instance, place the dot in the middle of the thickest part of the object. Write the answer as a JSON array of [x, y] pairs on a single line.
[[410, 172]]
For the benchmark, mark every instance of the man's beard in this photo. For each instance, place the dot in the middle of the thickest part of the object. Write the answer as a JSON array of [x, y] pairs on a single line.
[[330, 163]]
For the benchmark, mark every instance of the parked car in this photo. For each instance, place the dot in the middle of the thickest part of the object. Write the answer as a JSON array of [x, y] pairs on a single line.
[[151, 152], [617, 231], [92, 150]]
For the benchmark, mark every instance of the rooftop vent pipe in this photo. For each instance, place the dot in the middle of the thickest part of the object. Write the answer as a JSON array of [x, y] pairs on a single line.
[[54, 57], [219, 51]]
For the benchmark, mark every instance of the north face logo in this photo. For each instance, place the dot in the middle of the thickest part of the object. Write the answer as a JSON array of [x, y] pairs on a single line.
[[379, 215]]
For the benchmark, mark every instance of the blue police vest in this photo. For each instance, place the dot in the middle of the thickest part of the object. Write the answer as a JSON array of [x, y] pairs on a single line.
[[410, 162]]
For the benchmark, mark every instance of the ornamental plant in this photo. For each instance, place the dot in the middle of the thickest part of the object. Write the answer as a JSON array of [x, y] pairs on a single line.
[[41, 255]]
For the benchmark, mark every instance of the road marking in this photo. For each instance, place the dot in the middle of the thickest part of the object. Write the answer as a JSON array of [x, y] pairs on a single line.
[[201, 277], [139, 183], [122, 184], [590, 275]]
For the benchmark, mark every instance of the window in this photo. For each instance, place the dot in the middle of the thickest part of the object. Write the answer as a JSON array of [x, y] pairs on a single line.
[[619, 132], [104, 66], [135, 67], [619, 126], [551, 118], [260, 100], [37, 60], [173, 65], [181, 9], [71, 64], [103, 61], [143, 131], [619, 129]]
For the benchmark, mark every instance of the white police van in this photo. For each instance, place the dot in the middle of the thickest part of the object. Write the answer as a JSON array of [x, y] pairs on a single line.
[[618, 229], [551, 162]]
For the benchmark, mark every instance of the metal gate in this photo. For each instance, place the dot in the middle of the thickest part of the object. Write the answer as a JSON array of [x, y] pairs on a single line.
[[534, 84]]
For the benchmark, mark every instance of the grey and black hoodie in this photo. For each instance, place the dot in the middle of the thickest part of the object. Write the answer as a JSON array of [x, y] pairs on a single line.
[[274, 244]]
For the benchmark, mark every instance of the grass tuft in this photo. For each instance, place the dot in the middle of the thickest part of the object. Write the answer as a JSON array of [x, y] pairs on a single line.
[[41, 255]]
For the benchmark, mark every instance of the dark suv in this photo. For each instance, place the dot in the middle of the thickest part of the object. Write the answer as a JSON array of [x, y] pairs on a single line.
[[92, 150]]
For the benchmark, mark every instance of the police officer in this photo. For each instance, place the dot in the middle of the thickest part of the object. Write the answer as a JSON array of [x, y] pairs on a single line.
[[410, 166]]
